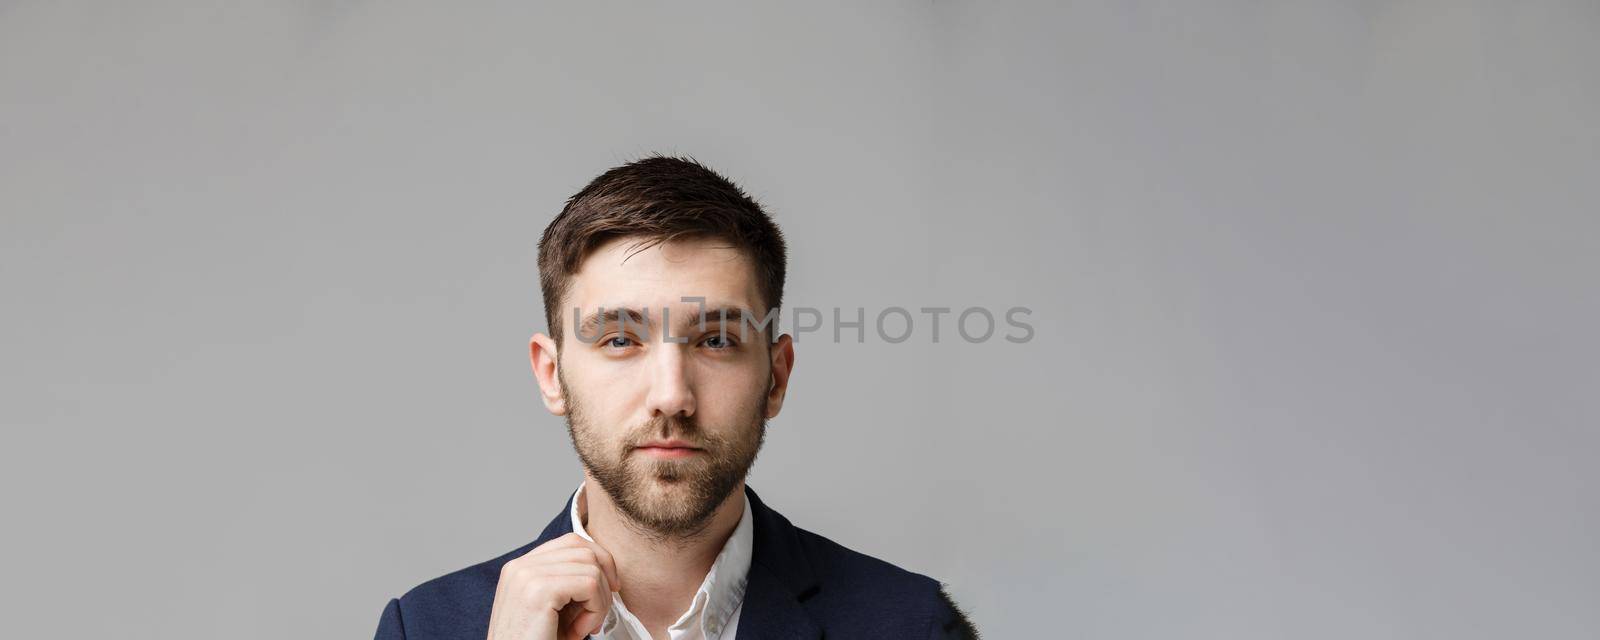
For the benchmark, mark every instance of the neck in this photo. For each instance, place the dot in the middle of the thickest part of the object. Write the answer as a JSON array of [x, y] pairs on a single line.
[[659, 575]]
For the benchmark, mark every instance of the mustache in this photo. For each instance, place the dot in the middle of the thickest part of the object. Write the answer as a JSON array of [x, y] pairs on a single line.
[[675, 427]]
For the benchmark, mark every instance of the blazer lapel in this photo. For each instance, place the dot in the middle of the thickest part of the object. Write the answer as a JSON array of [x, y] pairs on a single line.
[[781, 580]]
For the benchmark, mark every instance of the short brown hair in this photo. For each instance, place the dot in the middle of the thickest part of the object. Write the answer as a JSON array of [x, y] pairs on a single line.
[[659, 199]]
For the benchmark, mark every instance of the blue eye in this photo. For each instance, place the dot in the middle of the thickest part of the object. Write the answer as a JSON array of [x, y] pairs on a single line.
[[619, 342], [719, 342]]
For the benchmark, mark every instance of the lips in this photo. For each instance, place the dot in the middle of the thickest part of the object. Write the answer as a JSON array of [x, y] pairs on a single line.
[[668, 449], [672, 444]]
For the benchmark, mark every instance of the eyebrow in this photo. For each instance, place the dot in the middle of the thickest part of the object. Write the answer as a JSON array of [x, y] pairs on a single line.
[[599, 320], [722, 314]]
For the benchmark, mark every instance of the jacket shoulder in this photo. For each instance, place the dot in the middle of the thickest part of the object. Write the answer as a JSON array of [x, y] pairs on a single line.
[[862, 592], [844, 568]]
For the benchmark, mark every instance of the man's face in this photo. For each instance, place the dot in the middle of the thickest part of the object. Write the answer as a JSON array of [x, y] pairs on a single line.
[[626, 387]]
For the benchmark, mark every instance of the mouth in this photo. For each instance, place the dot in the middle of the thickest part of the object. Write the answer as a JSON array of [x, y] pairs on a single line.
[[670, 449]]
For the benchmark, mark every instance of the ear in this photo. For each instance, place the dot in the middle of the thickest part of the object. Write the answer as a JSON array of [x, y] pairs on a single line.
[[782, 366], [542, 353]]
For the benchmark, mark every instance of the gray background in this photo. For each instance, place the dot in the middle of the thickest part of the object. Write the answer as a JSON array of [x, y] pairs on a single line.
[[1314, 286]]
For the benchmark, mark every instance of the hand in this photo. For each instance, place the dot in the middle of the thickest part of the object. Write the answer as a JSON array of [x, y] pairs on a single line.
[[561, 590]]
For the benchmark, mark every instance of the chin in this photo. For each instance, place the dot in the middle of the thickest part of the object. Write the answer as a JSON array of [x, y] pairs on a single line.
[[663, 486]]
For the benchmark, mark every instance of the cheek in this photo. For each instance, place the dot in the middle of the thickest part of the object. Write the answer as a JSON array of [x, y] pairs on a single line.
[[726, 397], [606, 391]]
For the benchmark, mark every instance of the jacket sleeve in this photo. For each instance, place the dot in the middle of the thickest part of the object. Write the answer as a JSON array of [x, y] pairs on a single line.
[[949, 622], [391, 626]]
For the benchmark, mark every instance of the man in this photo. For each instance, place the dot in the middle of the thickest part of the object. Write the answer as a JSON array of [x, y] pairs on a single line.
[[658, 281]]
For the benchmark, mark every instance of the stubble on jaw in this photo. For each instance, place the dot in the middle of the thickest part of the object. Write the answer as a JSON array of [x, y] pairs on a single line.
[[669, 502]]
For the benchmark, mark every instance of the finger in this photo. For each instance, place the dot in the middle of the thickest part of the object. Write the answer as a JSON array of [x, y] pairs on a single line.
[[564, 541], [535, 555], [551, 549], [591, 554], [607, 563], [602, 556], [585, 601], [583, 569], [576, 622]]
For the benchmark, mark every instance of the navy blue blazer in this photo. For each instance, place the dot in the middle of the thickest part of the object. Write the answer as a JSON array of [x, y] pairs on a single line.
[[801, 585]]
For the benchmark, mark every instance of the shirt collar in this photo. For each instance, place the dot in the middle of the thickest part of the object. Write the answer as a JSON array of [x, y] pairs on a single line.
[[723, 588]]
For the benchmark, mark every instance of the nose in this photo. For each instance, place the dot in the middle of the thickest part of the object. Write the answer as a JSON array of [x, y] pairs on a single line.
[[670, 393]]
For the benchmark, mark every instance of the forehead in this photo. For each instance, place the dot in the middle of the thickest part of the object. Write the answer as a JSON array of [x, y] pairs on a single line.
[[620, 274]]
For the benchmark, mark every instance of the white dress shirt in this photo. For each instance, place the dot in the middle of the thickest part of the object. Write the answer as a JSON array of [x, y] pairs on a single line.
[[714, 613]]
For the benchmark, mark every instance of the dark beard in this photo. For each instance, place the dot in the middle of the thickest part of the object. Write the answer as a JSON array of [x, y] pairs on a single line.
[[703, 481]]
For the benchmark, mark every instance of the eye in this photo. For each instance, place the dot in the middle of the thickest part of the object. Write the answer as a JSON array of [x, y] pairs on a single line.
[[719, 342], [617, 342]]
